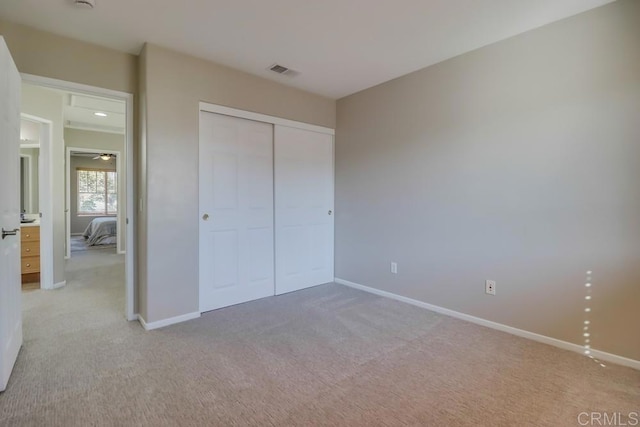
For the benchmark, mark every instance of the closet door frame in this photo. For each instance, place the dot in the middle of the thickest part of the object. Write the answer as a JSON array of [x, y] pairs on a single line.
[[233, 112]]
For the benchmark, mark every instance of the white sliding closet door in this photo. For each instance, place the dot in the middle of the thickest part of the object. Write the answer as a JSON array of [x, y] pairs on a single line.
[[236, 211], [304, 208]]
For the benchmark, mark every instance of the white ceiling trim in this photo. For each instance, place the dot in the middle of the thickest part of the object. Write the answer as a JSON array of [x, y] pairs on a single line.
[[69, 124]]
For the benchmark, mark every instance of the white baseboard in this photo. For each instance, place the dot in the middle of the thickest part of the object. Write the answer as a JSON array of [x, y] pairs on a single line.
[[57, 285], [122, 252], [166, 322], [600, 355]]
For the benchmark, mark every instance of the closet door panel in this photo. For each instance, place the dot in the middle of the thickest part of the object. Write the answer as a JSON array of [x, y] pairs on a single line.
[[236, 211], [303, 208]]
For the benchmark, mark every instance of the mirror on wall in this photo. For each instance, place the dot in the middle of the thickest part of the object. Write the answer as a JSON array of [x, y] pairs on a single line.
[[29, 180], [29, 166]]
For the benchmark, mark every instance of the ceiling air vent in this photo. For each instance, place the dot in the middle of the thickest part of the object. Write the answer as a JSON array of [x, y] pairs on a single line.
[[87, 4], [277, 68]]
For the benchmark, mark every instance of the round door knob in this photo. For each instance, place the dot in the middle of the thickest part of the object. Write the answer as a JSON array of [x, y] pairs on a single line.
[[330, 212], [205, 217]]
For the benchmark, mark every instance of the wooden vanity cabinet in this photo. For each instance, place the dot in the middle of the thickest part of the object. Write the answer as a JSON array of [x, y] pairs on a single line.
[[30, 253]]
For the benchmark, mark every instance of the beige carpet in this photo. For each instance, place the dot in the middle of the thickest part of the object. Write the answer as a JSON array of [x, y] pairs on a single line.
[[324, 356], [79, 243]]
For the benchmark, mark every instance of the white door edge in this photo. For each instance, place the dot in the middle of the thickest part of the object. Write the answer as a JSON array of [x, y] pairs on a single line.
[[10, 249]]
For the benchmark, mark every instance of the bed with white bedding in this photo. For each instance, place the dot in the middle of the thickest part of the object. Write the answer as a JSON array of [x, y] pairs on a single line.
[[101, 231]]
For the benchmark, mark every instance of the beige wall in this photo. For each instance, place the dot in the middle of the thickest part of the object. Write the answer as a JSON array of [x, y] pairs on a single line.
[[49, 55], [174, 84], [80, 138], [47, 104], [518, 162]]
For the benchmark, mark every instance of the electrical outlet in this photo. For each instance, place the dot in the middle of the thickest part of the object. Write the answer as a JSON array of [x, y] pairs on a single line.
[[394, 267], [490, 287]]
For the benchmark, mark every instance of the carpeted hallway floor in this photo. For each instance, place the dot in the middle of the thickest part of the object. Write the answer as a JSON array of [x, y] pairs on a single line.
[[329, 355], [79, 243]]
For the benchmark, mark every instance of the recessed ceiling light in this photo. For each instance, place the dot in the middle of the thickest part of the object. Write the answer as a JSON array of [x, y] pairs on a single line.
[[99, 114]]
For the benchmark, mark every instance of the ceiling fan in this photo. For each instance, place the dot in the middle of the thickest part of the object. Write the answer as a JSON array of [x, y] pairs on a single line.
[[105, 157]]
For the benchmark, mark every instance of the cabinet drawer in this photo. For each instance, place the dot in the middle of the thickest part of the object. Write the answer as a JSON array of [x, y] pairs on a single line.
[[30, 265], [30, 248], [30, 234]]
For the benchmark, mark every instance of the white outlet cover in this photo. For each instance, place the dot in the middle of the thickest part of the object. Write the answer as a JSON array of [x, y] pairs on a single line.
[[490, 287]]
